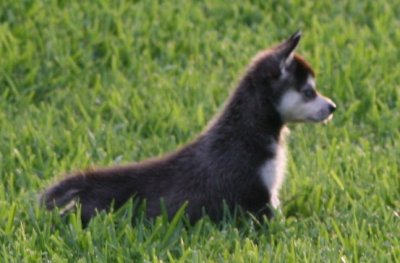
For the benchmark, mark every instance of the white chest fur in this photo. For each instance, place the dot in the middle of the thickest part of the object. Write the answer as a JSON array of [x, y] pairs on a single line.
[[273, 172]]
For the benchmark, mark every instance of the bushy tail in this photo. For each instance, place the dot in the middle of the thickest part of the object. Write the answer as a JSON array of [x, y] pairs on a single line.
[[63, 193], [95, 191]]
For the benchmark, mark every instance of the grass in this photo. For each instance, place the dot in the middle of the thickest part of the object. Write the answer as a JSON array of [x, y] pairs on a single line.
[[101, 82]]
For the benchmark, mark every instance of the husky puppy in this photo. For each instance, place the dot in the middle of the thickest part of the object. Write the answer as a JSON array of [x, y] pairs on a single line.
[[238, 161]]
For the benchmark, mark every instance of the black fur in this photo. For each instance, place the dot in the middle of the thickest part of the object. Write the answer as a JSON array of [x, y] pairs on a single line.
[[221, 165]]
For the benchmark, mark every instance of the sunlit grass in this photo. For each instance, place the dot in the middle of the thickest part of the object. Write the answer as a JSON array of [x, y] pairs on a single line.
[[99, 83]]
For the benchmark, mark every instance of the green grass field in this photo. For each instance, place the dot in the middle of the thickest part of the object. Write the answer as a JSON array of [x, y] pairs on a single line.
[[97, 83]]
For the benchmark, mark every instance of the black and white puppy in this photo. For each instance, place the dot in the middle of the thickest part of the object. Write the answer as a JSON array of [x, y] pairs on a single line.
[[239, 160]]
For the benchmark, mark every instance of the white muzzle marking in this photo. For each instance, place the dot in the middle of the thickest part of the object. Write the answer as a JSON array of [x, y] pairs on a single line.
[[293, 107]]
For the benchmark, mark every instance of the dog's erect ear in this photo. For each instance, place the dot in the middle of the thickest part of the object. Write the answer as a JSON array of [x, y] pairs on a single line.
[[285, 50]]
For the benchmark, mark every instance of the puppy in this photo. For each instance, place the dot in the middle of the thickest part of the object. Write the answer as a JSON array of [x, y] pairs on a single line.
[[238, 161]]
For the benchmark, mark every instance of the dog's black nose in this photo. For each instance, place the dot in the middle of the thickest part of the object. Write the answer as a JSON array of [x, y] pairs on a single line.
[[332, 108]]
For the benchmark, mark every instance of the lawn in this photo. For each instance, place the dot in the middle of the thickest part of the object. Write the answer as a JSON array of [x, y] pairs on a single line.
[[98, 83]]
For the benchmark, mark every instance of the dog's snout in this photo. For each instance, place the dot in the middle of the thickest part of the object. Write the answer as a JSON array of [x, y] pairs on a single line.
[[332, 107]]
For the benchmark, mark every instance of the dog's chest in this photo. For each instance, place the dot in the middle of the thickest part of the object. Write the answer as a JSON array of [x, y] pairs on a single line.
[[272, 171]]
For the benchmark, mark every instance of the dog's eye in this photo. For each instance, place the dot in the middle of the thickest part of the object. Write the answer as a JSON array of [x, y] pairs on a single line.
[[309, 93]]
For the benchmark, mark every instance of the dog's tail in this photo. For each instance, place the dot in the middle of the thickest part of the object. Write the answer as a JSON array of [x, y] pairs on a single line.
[[93, 190], [63, 193]]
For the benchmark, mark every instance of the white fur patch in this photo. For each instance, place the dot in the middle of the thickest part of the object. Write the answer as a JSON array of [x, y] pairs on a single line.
[[311, 81], [273, 172], [294, 108]]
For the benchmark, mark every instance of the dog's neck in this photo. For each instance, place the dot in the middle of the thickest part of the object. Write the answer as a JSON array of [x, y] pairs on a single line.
[[244, 119]]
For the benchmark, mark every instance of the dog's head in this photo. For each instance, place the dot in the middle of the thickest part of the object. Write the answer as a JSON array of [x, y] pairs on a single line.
[[290, 84]]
